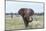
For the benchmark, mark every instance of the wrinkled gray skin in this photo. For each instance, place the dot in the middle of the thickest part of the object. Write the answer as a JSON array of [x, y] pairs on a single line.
[[26, 13]]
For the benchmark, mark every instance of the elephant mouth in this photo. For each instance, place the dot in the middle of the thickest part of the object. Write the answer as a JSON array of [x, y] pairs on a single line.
[[29, 19]]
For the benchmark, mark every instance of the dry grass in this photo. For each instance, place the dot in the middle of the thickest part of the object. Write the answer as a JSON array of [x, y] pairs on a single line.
[[17, 23]]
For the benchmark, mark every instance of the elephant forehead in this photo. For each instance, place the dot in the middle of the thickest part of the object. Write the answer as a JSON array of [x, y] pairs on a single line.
[[27, 11]]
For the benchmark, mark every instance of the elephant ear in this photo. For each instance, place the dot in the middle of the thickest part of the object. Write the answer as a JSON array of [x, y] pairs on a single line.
[[21, 11]]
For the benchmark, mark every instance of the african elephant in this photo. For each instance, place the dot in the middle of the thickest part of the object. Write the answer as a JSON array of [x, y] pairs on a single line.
[[26, 13]]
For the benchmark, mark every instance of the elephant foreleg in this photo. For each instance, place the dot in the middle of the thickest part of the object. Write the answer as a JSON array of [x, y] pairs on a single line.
[[26, 23]]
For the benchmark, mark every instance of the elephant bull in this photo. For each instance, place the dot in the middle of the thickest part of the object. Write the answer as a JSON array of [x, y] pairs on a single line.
[[26, 13]]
